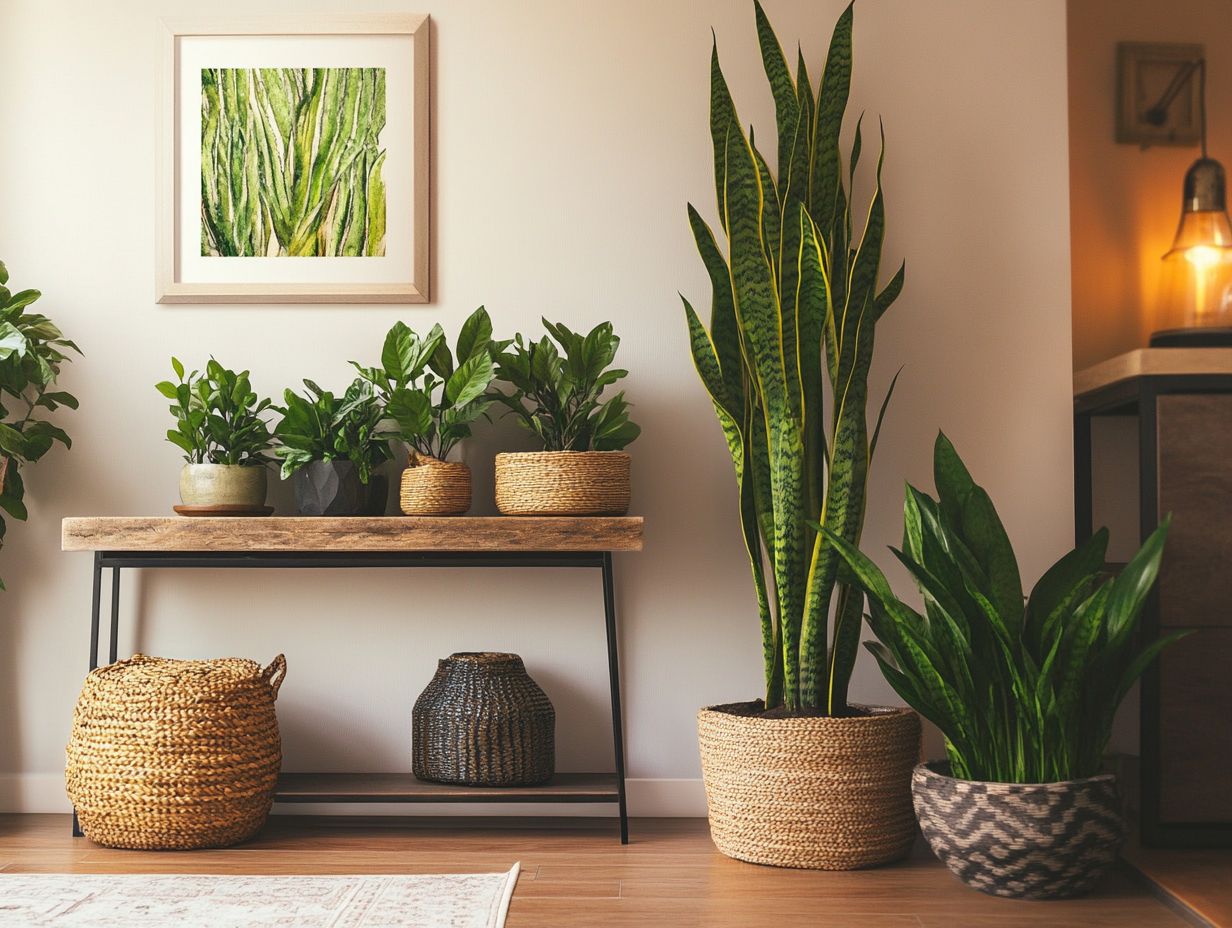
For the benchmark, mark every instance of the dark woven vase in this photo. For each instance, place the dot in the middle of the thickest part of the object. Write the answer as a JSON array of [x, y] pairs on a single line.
[[483, 721], [1021, 840]]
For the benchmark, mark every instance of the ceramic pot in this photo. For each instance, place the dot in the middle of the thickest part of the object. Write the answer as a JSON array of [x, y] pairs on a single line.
[[563, 483], [1021, 840], [223, 485], [811, 792], [330, 488]]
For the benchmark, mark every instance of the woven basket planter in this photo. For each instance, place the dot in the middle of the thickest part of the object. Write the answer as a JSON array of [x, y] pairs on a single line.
[[435, 488], [483, 721], [175, 754], [1021, 840], [563, 483], [815, 793]]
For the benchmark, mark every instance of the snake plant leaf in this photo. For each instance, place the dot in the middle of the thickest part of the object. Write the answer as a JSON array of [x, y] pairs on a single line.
[[782, 87], [1062, 586], [888, 295], [881, 412], [722, 116], [724, 329], [831, 104], [1133, 583]]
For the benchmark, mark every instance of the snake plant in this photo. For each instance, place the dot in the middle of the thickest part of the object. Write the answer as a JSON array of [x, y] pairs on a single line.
[[795, 304], [1022, 693], [291, 162]]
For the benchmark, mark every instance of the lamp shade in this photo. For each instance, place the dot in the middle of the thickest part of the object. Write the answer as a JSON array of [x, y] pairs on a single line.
[[1195, 306]]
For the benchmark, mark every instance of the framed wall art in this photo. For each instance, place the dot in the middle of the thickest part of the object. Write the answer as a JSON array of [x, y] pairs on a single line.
[[292, 162]]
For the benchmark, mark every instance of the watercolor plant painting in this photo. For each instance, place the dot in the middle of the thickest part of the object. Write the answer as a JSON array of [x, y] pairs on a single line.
[[291, 162]]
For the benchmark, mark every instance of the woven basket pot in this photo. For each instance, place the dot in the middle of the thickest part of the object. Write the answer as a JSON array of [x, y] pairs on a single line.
[[435, 488], [483, 721], [816, 793], [1021, 840], [175, 754], [563, 483]]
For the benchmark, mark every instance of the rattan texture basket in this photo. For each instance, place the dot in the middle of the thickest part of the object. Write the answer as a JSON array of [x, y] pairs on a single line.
[[816, 793], [563, 483], [168, 754], [435, 488], [482, 721]]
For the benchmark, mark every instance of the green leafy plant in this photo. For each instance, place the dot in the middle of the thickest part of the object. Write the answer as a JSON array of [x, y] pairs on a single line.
[[218, 416], [319, 426], [794, 310], [32, 350], [1024, 693], [558, 385], [291, 161], [433, 395]]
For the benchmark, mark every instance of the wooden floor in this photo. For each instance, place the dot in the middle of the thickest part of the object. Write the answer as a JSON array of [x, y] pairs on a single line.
[[1199, 879], [575, 873]]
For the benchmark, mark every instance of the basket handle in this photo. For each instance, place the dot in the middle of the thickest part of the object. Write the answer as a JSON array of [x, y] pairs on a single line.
[[275, 673]]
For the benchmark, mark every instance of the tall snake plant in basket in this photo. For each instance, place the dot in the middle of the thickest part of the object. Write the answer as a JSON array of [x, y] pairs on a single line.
[[793, 315]]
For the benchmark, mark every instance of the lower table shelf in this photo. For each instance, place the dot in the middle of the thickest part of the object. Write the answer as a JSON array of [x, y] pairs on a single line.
[[404, 787]]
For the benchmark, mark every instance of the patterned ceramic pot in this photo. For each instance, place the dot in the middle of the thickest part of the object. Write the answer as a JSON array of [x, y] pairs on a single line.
[[1021, 840]]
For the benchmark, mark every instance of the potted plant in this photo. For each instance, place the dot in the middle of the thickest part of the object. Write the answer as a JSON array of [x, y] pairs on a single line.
[[330, 447], [32, 349], [800, 777], [558, 385], [431, 397], [220, 429], [1024, 694]]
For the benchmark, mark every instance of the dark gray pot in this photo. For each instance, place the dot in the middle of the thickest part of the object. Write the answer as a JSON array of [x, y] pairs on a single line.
[[329, 488], [1021, 840]]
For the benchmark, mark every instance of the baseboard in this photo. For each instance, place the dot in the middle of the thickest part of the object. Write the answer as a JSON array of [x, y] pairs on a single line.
[[648, 798]]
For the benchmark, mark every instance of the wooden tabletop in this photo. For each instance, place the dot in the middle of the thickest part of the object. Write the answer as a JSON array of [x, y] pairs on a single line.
[[386, 533], [1159, 362]]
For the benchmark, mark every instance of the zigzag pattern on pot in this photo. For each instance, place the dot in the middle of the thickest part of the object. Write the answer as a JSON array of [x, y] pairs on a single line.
[[1031, 841]]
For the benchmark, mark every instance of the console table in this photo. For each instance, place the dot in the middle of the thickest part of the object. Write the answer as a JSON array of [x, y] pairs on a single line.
[[119, 542]]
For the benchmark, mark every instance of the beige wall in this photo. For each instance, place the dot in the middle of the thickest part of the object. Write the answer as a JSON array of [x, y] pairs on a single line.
[[1125, 202], [567, 138]]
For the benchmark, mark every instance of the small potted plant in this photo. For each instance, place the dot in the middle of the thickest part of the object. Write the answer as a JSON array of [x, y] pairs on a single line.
[[220, 429], [431, 398], [1024, 693], [558, 384], [330, 447], [32, 349]]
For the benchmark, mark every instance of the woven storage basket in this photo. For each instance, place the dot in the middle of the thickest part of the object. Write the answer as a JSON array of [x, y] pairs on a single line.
[[483, 721], [175, 754], [563, 483], [817, 793], [435, 488]]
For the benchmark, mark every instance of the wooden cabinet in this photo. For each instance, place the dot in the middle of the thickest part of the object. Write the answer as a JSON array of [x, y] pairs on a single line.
[[1182, 400]]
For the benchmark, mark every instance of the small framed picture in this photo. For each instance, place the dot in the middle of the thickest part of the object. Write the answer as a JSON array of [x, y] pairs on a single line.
[[292, 161], [1147, 73]]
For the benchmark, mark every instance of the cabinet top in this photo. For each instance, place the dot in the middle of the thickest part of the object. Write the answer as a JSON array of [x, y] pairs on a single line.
[[1152, 362], [387, 533]]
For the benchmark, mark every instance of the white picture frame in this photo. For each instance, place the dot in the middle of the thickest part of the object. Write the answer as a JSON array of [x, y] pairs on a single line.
[[187, 271]]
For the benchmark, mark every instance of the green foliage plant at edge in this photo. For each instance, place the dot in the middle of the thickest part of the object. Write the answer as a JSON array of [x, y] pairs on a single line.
[[794, 309], [558, 385], [320, 426], [432, 395], [31, 352], [1022, 693], [218, 417]]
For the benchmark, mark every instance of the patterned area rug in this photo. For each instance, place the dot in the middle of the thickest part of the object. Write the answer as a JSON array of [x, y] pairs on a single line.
[[468, 900]]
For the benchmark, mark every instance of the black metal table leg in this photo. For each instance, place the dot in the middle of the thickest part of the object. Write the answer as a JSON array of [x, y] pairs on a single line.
[[115, 615], [613, 669]]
